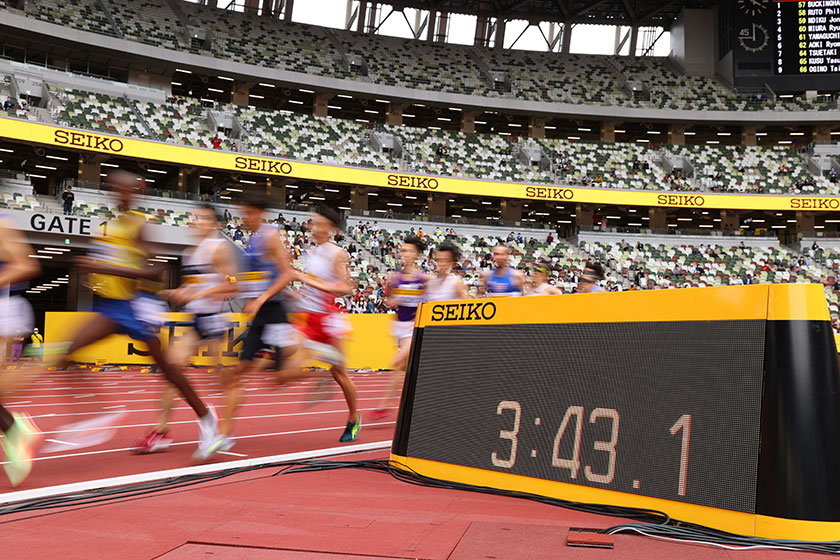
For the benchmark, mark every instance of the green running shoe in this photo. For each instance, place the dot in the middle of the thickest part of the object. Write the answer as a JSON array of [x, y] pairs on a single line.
[[351, 431]]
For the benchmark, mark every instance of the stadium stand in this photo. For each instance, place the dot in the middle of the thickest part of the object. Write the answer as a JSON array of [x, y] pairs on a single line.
[[578, 79], [622, 165]]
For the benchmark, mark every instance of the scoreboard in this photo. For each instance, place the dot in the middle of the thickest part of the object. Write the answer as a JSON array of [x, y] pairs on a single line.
[[807, 36], [792, 45]]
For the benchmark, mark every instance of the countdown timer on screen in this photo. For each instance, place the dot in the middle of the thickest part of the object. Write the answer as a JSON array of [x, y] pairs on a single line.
[[668, 410], [806, 36]]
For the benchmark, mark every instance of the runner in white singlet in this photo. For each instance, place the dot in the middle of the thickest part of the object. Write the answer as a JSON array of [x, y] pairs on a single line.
[[445, 284], [325, 276], [541, 287], [208, 270]]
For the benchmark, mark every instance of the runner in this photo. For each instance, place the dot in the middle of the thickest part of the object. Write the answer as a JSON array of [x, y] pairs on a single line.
[[405, 291], [268, 272], [502, 281], [208, 270], [541, 287], [588, 282], [20, 435], [326, 275], [117, 262], [445, 284]]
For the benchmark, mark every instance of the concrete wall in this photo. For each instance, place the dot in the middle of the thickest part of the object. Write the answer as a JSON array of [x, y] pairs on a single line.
[[693, 42]]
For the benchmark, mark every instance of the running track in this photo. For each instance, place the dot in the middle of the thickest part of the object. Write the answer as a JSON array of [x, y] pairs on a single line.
[[271, 421]]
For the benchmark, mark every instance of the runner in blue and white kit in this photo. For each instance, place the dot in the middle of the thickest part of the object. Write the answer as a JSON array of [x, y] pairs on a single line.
[[20, 435], [502, 280], [405, 292]]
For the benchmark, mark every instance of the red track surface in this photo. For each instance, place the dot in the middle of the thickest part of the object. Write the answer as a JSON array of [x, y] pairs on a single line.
[[271, 421], [334, 515]]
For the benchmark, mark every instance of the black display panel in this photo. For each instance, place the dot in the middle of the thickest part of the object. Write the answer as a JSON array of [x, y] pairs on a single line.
[[807, 37], [669, 410]]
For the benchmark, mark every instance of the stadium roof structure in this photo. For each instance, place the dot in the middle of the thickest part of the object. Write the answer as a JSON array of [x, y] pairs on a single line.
[[659, 13]]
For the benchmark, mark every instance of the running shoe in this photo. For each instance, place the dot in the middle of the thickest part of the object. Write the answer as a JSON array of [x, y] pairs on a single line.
[[351, 431], [19, 444], [381, 414], [208, 425], [211, 447], [154, 442]]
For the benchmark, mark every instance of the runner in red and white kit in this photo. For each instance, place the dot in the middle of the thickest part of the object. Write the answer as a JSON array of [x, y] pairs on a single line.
[[326, 275]]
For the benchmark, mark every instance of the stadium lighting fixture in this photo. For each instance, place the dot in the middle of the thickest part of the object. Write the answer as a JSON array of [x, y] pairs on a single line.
[[785, 142], [712, 142], [581, 129], [564, 221], [419, 105], [456, 215], [438, 128], [791, 221], [797, 134], [103, 174], [762, 134], [149, 180], [394, 204], [451, 200], [833, 132], [317, 198], [619, 131], [246, 181], [7, 150], [51, 285], [291, 186], [58, 158], [205, 177], [643, 140], [408, 196], [61, 249], [778, 227], [295, 102], [690, 133], [684, 219], [177, 84], [167, 257], [183, 71], [636, 224], [758, 221], [541, 213], [715, 220], [724, 134], [444, 119], [61, 281], [551, 128], [332, 190], [38, 176], [486, 202], [672, 225], [613, 217], [344, 208], [333, 107], [380, 210], [266, 85], [306, 91], [381, 100], [161, 171], [786, 96], [483, 122], [224, 197], [706, 225], [832, 221], [574, 137], [159, 260], [256, 96], [819, 227], [501, 133], [46, 167], [231, 189], [653, 132], [344, 96], [214, 90], [514, 124], [469, 209], [109, 165], [366, 121], [455, 109], [226, 78], [40, 256]]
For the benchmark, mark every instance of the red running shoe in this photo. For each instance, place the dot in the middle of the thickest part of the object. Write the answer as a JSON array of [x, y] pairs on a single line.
[[152, 443]]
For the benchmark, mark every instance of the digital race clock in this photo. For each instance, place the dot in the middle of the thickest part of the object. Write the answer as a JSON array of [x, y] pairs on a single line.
[[676, 400]]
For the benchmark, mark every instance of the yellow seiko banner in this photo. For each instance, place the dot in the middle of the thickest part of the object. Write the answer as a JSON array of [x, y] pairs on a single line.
[[370, 345], [26, 131]]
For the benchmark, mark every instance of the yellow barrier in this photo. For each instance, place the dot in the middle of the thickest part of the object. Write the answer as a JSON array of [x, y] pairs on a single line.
[[26, 131], [371, 345]]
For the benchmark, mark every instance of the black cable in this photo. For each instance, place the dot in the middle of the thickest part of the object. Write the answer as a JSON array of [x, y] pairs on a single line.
[[650, 523]]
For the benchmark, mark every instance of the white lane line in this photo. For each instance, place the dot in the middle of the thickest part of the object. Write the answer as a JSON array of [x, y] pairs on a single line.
[[85, 396], [111, 426], [141, 410], [232, 453], [60, 489], [18, 403], [337, 429], [60, 442], [272, 394]]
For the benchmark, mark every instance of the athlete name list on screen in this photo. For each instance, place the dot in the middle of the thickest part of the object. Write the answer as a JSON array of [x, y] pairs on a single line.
[[808, 37]]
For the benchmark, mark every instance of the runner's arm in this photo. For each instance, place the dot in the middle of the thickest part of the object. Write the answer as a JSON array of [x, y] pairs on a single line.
[[279, 253], [224, 263], [341, 287], [461, 290], [15, 250]]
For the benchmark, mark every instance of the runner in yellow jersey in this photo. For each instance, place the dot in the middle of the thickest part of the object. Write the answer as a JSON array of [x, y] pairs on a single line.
[[116, 264]]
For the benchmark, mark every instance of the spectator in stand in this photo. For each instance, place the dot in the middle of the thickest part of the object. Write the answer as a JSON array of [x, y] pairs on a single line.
[[549, 239], [68, 197], [748, 280], [228, 216], [217, 142], [815, 247], [8, 105]]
